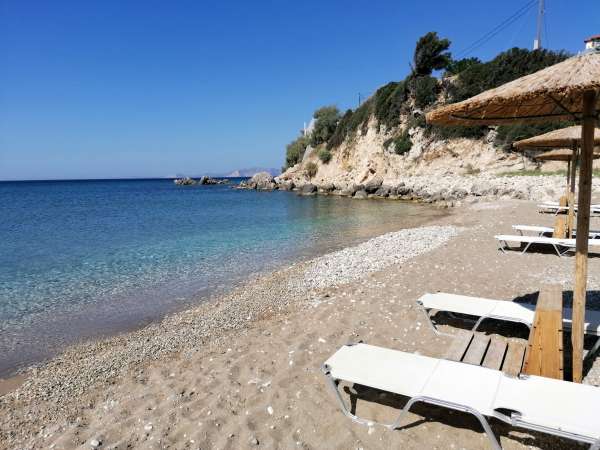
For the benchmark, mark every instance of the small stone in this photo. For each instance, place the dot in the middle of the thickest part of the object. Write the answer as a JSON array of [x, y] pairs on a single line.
[[270, 410], [253, 441], [148, 427], [95, 443]]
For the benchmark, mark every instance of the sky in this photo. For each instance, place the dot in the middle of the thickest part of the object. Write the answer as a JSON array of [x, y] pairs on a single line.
[[113, 88]]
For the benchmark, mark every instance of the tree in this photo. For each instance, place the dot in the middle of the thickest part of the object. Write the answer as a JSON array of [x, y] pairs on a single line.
[[326, 120], [431, 54], [294, 151]]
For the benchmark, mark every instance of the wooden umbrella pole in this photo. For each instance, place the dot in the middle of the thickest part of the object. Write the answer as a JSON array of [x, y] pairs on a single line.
[[571, 172], [583, 228]]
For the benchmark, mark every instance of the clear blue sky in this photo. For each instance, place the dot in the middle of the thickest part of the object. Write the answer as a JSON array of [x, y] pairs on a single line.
[[123, 88]]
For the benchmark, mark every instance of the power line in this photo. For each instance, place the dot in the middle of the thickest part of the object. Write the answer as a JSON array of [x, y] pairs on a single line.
[[497, 29]]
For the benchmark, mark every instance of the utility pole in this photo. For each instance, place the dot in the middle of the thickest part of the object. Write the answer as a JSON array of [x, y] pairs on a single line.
[[537, 43]]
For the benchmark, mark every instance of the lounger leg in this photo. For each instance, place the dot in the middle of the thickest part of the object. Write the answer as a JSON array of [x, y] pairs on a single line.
[[593, 350], [595, 445], [482, 420], [556, 250], [502, 245], [431, 324], [526, 248]]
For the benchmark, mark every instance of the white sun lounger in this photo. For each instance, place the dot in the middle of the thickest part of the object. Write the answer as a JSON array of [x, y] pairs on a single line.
[[485, 309], [540, 230], [535, 403], [555, 208], [557, 244]]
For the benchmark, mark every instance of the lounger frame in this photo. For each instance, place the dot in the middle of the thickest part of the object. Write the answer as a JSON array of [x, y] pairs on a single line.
[[503, 246], [427, 312], [514, 419]]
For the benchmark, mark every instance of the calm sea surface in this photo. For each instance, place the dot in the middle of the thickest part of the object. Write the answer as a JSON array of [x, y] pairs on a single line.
[[80, 259]]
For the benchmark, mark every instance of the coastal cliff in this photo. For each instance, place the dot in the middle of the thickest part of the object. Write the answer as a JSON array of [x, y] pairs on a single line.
[[384, 148]]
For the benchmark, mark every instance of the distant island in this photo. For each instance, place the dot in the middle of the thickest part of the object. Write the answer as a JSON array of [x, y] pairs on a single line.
[[250, 172], [253, 171]]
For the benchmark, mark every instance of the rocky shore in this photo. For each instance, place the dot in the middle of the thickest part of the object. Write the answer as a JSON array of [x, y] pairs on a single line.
[[444, 190]]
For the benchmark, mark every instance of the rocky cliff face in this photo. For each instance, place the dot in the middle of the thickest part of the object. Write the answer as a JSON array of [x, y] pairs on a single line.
[[433, 170]]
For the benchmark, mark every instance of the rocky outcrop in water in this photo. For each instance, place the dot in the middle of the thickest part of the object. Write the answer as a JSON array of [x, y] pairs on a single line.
[[262, 181], [205, 180]]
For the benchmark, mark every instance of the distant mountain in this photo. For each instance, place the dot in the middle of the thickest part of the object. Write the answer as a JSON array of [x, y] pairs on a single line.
[[252, 171]]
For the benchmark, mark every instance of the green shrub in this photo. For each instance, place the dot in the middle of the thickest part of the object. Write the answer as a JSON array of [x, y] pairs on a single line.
[[458, 131], [324, 155], [390, 103], [425, 90], [326, 121], [457, 66], [294, 151], [402, 143], [505, 67], [349, 124], [311, 169]]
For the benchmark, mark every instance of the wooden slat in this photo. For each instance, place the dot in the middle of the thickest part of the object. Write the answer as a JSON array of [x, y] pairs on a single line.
[[477, 349], [545, 346], [514, 358], [459, 345], [495, 354]]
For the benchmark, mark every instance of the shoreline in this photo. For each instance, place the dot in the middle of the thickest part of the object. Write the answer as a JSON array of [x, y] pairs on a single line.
[[13, 378], [258, 379], [92, 322]]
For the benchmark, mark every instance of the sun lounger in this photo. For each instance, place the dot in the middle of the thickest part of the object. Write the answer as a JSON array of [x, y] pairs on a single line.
[[540, 230], [535, 403], [555, 208], [485, 309], [557, 244]]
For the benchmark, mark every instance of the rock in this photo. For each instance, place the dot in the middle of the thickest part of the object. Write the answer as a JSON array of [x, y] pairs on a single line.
[[361, 195], [402, 189], [383, 191], [95, 443], [374, 184], [262, 181], [326, 188], [286, 185], [187, 181], [206, 180], [253, 441], [308, 189]]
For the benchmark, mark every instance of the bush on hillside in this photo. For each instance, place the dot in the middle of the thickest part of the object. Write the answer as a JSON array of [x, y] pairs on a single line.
[[457, 66], [426, 90], [311, 169], [389, 103], [324, 155], [326, 120], [294, 151], [401, 144]]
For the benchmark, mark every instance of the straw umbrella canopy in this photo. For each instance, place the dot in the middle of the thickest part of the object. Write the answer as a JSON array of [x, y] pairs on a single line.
[[565, 91], [562, 154], [565, 137], [562, 138]]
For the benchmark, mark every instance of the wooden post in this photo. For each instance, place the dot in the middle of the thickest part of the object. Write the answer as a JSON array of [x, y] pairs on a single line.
[[583, 228], [571, 175]]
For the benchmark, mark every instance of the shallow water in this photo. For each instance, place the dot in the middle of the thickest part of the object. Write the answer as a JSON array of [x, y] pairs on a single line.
[[80, 259]]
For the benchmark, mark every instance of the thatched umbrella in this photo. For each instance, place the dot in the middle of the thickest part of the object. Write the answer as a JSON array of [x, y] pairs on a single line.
[[565, 91], [565, 137]]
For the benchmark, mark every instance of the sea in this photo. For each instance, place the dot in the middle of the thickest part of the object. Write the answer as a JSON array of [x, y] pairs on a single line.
[[90, 258]]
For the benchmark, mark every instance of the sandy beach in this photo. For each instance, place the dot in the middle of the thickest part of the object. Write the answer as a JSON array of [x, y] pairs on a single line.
[[243, 371]]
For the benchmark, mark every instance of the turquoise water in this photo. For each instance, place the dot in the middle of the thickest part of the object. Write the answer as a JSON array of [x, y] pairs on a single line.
[[79, 259]]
